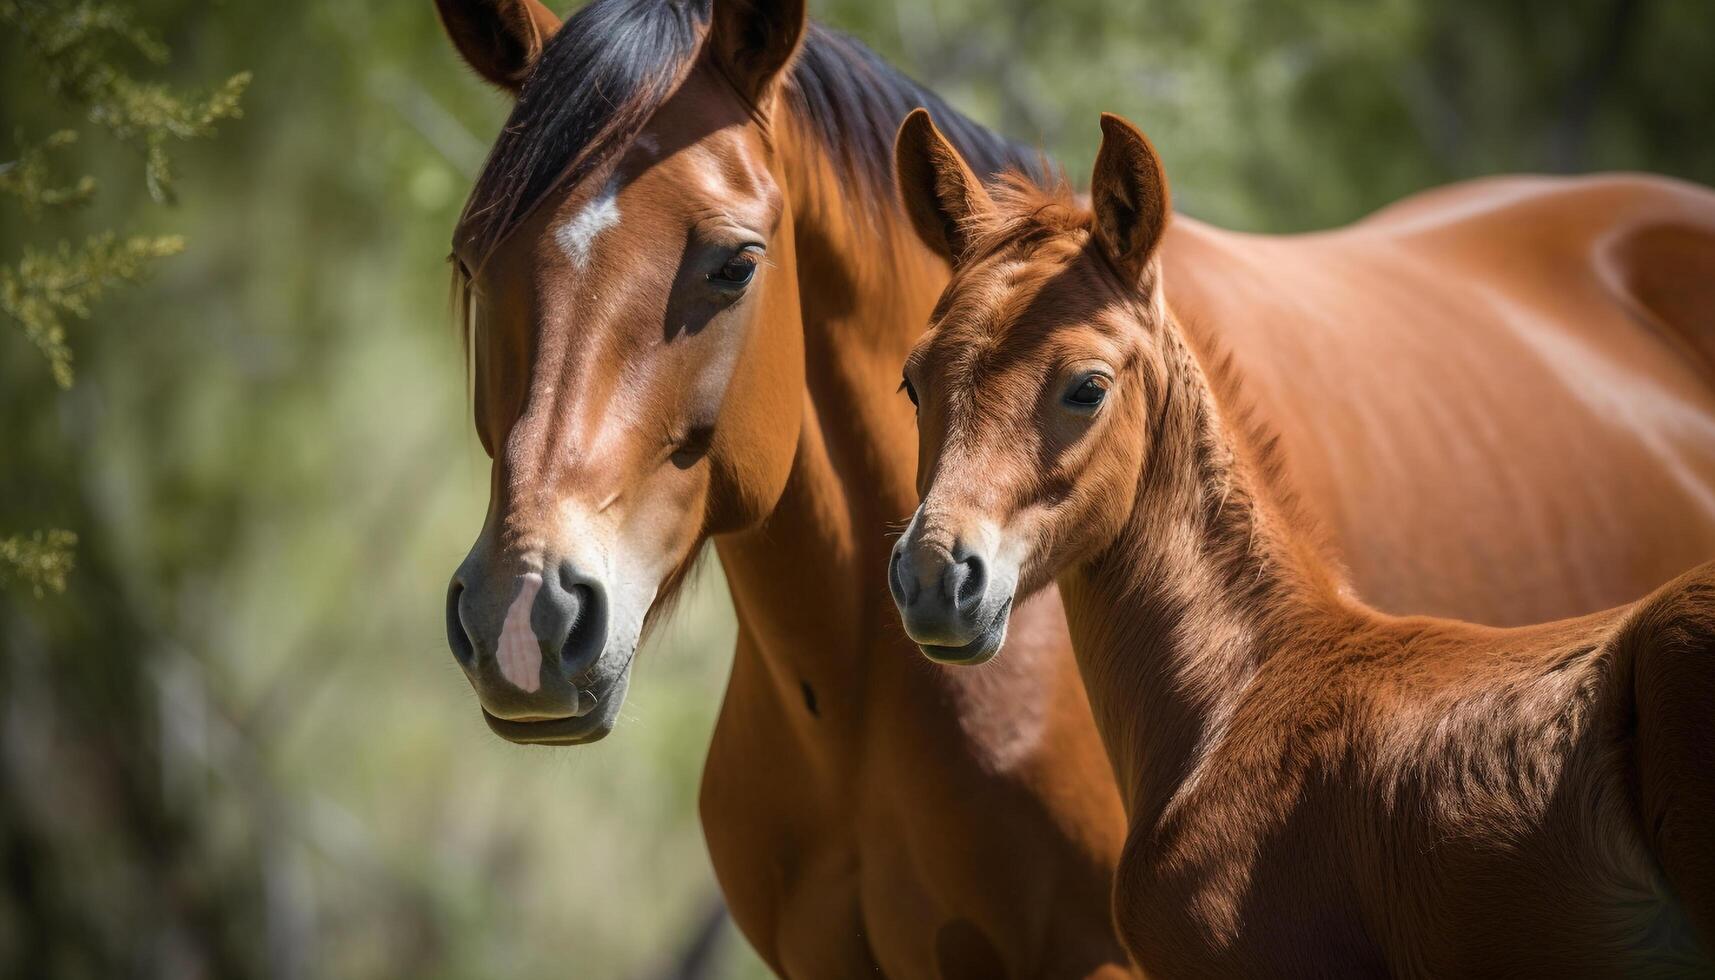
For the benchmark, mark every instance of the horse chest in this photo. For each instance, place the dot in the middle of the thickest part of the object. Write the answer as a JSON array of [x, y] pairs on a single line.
[[855, 834]]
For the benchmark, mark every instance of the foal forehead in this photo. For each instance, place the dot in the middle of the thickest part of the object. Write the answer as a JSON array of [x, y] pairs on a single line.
[[1024, 303]]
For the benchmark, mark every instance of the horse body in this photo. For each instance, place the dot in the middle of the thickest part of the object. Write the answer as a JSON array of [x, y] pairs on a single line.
[[1475, 394], [844, 848], [1313, 787]]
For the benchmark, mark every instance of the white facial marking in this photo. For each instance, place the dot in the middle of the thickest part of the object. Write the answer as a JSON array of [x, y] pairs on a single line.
[[520, 653], [577, 236]]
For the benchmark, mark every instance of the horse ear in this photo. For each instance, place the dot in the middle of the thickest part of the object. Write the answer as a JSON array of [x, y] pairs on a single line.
[[1129, 195], [941, 194], [754, 41], [500, 39]]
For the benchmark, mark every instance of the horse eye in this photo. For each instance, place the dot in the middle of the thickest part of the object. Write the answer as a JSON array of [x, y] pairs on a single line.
[[738, 270], [1090, 393], [910, 390]]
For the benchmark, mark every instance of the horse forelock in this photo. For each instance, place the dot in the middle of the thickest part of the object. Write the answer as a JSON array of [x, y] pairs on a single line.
[[598, 81], [613, 63]]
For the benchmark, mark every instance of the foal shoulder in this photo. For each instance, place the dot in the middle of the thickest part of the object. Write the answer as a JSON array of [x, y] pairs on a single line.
[[1680, 615], [1669, 641], [1664, 644]]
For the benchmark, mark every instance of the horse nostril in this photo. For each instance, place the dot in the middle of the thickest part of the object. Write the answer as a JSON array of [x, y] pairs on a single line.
[[457, 636], [586, 632], [903, 585], [970, 579]]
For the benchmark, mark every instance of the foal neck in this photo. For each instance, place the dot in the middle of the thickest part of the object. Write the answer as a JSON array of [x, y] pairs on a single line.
[[1212, 573]]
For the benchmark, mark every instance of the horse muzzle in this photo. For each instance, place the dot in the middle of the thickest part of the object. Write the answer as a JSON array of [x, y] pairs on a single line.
[[535, 647]]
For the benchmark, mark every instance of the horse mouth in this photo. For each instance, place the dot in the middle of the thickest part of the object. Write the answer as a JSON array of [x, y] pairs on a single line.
[[980, 650], [574, 730]]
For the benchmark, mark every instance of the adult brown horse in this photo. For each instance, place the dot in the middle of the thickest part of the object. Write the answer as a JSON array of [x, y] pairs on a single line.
[[691, 288], [1314, 788], [643, 389]]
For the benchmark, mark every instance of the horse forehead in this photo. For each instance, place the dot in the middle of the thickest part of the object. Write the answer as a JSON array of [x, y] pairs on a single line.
[[644, 206]]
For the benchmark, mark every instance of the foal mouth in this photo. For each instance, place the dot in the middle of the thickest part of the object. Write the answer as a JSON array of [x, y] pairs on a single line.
[[980, 650]]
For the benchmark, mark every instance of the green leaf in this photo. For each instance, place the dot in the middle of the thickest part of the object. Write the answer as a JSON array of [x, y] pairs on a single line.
[[45, 287], [31, 180], [75, 45], [40, 561]]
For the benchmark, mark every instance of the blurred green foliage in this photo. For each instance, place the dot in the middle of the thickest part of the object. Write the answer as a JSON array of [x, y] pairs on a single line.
[[236, 743], [72, 50], [41, 561]]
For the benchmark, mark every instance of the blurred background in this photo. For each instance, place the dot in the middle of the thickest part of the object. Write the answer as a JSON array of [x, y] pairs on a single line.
[[235, 743]]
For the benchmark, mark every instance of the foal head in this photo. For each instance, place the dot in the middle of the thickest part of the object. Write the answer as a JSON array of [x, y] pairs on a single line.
[[627, 260], [1034, 385]]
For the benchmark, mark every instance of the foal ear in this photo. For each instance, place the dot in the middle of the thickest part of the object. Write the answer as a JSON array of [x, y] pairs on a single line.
[[940, 193], [754, 41], [500, 39], [1129, 195]]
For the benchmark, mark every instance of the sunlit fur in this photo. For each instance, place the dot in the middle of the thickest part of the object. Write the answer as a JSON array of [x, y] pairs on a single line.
[[1314, 788], [827, 825], [867, 813]]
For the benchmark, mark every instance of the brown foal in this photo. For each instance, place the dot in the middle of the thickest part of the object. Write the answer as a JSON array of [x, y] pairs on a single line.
[[1313, 787]]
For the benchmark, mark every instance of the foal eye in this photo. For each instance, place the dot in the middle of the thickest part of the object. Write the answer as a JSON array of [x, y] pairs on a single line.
[[910, 390], [740, 269], [1090, 392]]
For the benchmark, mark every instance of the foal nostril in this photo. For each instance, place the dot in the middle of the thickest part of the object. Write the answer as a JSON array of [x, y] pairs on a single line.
[[457, 636], [966, 582]]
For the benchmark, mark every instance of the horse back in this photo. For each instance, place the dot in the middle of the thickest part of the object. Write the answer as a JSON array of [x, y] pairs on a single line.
[[1495, 397], [1647, 240]]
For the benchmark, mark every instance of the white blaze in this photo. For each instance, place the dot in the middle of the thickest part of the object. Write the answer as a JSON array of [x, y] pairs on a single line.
[[520, 653], [577, 236]]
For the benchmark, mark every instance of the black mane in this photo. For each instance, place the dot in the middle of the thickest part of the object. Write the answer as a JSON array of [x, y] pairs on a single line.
[[614, 62], [854, 101]]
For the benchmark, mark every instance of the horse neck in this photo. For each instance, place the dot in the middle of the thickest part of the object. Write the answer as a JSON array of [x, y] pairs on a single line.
[[817, 564], [1209, 576]]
